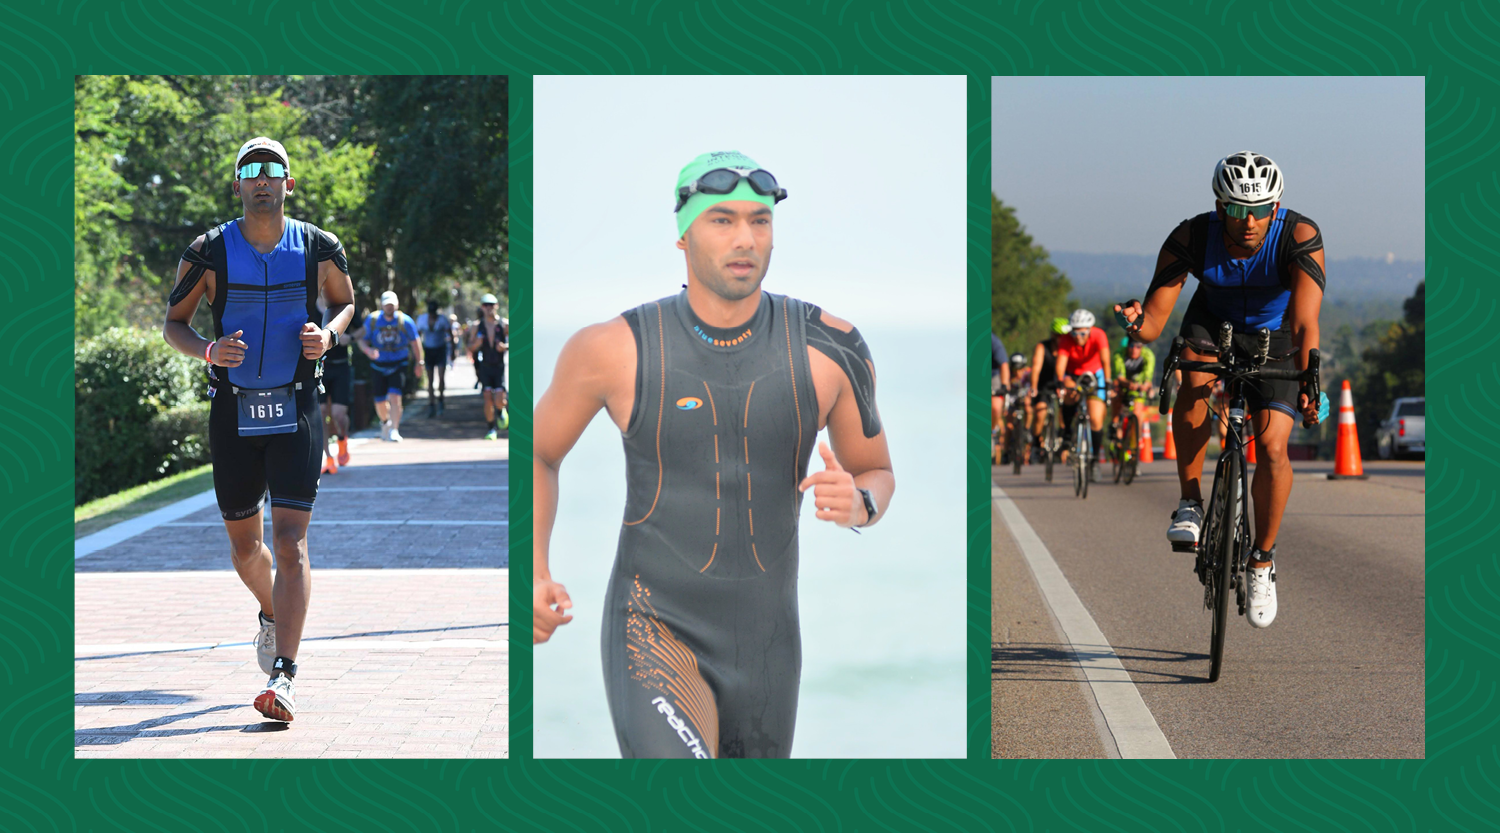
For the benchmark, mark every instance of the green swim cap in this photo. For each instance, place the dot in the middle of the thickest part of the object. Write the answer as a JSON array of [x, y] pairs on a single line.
[[698, 203]]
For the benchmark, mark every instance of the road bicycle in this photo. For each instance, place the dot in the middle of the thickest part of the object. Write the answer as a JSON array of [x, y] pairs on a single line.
[[1017, 430], [1052, 435], [1125, 442], [1224, 544], [1083, 446]]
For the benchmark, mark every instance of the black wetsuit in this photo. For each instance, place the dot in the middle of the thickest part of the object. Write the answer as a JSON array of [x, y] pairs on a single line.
[[702, 648]]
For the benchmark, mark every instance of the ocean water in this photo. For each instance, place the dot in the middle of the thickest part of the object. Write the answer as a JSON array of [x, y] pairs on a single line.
[[883, 641]]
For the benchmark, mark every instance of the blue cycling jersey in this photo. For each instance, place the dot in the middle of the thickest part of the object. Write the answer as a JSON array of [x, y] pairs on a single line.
[[1248, 292]]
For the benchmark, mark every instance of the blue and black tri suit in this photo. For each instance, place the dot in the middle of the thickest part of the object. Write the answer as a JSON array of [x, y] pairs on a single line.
[[270, 297], [1251, 293]]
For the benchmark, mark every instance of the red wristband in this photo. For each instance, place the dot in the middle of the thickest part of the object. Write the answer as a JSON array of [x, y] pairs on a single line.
[[208, 352]]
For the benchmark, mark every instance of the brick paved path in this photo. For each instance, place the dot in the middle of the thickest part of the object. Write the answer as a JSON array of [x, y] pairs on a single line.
[[404, 653]]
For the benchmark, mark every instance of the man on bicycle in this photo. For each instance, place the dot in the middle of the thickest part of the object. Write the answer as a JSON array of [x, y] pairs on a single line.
[[1258, 266], [1135, 379], [999, 385], [1044, 375], [1086, 352]]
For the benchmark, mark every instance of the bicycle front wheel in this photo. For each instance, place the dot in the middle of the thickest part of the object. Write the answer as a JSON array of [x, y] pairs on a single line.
[[1132, 447], [1051, 441], [1083, 454], [1226, 512]]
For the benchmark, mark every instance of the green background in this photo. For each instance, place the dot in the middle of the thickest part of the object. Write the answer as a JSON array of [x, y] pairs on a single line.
[[1454, 44]]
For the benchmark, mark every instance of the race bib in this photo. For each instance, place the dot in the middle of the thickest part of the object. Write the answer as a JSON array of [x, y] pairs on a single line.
[[271, 411]]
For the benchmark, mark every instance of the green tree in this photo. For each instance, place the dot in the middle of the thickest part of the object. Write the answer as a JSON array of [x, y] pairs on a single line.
[[1026, 290], [1393, 367]]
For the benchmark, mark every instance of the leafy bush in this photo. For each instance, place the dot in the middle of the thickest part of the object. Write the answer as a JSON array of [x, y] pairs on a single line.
[[179, 437], [124, 379]]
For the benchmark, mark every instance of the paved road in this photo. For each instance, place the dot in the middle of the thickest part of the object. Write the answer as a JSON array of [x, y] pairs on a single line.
[[1339, 675], [405, 649]]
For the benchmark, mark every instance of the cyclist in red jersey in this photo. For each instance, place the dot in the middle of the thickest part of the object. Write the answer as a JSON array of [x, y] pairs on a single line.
[[1086, 350]]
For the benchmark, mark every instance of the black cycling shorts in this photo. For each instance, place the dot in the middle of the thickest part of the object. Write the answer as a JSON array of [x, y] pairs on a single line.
[[434, 356], [338, 384], [383, 384], [246, 468], [1281, 394], [491, 376]]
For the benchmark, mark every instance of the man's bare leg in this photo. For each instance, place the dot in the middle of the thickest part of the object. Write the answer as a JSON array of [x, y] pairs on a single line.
[[1272, 484], [1191, 427], [251, 559], [293, 586]]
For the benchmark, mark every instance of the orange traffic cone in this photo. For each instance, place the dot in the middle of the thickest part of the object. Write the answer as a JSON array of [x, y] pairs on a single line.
[[1169, 447], [1347, 464], [1147, 456]]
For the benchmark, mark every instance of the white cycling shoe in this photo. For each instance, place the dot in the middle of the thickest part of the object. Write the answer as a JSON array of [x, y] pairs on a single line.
[[1187, 522], [1261, 583]]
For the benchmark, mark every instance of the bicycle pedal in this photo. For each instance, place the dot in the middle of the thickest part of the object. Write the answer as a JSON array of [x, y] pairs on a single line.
[[1178, 546]]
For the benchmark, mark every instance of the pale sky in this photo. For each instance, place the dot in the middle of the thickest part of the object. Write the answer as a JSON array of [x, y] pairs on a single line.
[[873, 229], [1111, 165]]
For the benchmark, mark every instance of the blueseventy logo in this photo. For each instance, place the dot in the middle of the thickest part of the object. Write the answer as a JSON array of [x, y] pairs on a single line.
[[679, 725], [688, 403]]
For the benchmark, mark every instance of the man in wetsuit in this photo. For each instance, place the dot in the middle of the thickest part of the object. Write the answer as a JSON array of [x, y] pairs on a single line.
[[490, 340], [263, 275], [1258, 265], [394, 336], [719, 392]]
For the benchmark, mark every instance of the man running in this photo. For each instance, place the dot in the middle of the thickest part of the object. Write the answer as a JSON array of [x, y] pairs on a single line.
[[719, 392], [490, 340], [1258, 265], [396, 336], [437, 342], [263, 275], [1085, 350], [335, 396]]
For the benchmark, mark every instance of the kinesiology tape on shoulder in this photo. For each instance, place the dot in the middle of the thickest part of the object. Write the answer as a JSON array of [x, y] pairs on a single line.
[[198, 263], [1179, 245], [1301, 254], [849, 352], [329, 248]]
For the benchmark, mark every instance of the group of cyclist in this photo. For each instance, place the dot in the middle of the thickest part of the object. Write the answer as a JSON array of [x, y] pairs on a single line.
[[1076, 348], [1260, 270]]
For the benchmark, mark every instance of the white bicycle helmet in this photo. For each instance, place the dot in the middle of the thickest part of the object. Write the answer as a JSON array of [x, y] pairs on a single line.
[[1247, 178], [1081, 319]]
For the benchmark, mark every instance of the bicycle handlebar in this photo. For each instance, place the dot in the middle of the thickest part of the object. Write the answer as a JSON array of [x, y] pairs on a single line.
[[1308, 377]]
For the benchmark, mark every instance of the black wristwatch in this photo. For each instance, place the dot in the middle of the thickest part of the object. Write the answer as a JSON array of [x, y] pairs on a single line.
[[335, 338], [869, 506]]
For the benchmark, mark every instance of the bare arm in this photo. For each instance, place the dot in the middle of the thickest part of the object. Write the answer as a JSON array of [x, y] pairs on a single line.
[[1171, 274], [194, 282], [595, 370], [1038, 355], [1306, 304], [855, 461]]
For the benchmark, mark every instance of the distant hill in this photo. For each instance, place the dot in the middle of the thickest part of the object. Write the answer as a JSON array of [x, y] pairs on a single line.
[[1099, 278]]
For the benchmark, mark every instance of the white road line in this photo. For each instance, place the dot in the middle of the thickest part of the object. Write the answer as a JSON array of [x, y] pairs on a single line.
[[124, 530], [82, 651], [1130, 723], [413, 522]]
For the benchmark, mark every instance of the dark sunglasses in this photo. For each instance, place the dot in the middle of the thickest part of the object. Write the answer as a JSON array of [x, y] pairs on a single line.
[[1239, 212], [725, 180], [251, 170]]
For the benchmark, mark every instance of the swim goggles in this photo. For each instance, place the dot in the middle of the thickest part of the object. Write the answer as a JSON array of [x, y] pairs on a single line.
[[1239, 212], [725, 180], [251, 170]]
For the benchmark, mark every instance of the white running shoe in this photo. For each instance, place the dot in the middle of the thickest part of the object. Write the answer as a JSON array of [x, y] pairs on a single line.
[[1187, 521], [395, 436], [265, 643], [278, 700], [1262, 585], [385, 430]]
